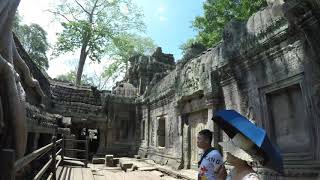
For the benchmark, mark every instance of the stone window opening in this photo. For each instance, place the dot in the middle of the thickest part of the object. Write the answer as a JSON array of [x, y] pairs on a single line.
[[161, 132]]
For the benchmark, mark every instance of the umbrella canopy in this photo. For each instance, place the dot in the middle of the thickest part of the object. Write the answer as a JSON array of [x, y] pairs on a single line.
[[231, 122]]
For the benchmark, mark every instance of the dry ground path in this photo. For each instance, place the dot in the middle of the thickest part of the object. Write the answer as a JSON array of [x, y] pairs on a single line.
[[141, 170]]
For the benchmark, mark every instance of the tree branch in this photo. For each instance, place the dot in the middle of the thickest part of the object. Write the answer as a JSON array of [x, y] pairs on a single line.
[[73, 16], [58, 13], [92, 11], [82, 7]]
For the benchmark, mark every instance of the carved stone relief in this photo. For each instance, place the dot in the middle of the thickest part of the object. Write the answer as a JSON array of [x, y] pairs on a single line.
[[190, 78]]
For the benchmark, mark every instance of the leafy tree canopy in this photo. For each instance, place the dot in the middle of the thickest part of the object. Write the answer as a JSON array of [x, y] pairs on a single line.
[[94, 27], [217, 13], [34, 40], [126, 46]]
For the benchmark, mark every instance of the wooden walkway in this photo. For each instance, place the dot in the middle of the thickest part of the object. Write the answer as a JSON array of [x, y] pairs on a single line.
[[74, 173], [81, 173]]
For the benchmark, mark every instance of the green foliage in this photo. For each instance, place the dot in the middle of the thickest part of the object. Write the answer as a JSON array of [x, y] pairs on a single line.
[[94, 26], [126, 46], [34, 40], [184, 47], [217, 13], [71, 78]]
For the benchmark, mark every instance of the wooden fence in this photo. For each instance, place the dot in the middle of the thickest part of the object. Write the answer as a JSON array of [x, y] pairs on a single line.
[[10, 167]]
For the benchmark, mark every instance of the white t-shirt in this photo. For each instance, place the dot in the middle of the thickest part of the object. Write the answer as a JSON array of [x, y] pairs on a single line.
[[209, 165]]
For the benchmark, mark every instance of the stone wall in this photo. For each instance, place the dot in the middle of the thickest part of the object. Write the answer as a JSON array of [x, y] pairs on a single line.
[[265, 68], [121, 134], [80, 103]]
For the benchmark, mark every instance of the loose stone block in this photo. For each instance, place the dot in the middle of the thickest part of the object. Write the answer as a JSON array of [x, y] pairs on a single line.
[[137, 156], [98, 161], [109, 160], [116, 161], [126, 165]]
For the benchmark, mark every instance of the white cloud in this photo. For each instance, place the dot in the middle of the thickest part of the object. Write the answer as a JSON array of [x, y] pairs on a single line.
[[58, 67], [162, 18]]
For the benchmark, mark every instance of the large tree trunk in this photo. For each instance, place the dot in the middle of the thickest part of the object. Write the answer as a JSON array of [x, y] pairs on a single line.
[[13, 132], [12, 99], [22, 68], [82, 60]]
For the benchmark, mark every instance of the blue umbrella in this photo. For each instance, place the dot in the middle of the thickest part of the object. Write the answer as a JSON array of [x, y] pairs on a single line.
[[231, 122]]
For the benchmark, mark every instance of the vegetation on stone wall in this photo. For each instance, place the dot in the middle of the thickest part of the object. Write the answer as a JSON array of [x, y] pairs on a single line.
[[93, 27], [217, 13], [126, 46], [34, 40], [71, 78]]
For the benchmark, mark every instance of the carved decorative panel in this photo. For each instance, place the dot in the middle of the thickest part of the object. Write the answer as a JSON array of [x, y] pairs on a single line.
[[287, 118]]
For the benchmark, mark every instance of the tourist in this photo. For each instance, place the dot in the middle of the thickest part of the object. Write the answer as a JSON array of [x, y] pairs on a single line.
[[240, 152], [211, 159]]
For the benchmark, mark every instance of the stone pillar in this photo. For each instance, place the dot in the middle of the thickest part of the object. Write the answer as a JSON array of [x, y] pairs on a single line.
[[102, 140], [186, 144], [210, 123]]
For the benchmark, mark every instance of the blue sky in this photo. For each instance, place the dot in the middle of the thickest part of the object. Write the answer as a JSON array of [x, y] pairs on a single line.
[[169, 21], [168, 24]]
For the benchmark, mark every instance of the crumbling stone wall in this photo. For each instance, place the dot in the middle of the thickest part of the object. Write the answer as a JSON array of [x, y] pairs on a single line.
[[81, 103], [148, 70]]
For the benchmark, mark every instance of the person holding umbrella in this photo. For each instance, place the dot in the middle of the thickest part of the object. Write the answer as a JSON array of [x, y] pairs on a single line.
[[248, 143], [240, 152]]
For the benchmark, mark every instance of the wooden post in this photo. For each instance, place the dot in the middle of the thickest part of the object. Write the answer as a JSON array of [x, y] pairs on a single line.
[[53, 155], [7, 164], [87, 152], [62, 147]]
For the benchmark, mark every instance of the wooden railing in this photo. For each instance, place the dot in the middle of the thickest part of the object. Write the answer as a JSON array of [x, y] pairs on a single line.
[[85, 151], [10, 167]]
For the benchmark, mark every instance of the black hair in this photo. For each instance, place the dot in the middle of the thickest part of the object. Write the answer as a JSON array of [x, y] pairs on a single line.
[[207, 134]]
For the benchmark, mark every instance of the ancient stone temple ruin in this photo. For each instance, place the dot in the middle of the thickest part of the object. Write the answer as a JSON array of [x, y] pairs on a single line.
[[267, 69]]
